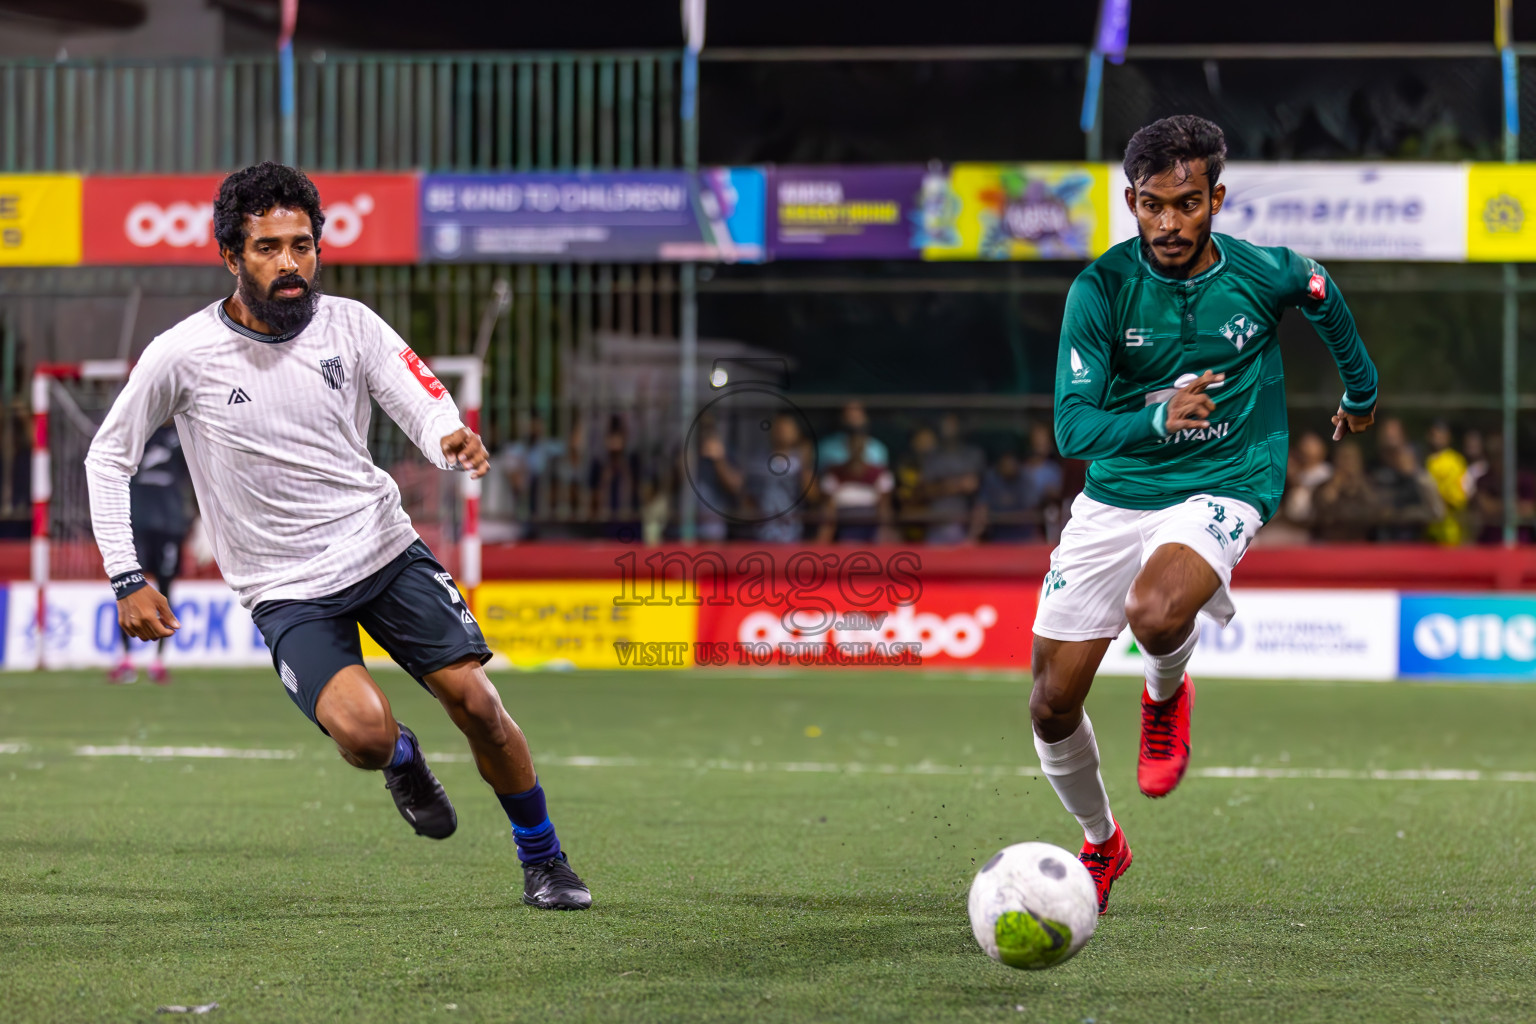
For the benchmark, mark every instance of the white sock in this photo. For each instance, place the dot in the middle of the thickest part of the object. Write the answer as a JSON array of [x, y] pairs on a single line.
[[1165, 672], [1072, 765]]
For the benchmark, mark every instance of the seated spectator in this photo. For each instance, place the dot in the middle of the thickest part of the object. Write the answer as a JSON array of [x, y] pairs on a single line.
[[1309, 471], [1448, 469], [911, 508], [1410, 501], [616, 485], [951, 478], [1348, 506], [833, 450], [775, 489], [1489, 498], [1007, 509], [858, 497], [1046, 475], [715, 481]]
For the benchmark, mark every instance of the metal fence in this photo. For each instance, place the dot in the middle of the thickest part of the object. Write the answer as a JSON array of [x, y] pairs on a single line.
[[586, 343]]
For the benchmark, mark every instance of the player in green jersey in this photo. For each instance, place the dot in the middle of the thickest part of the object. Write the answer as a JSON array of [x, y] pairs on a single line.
[[1169, 381]]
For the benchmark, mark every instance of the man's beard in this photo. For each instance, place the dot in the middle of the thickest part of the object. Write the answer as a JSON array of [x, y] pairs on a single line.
[[1182, 271], [285, 316]]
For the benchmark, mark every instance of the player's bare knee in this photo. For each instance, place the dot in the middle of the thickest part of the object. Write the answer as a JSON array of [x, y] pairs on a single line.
[[1052, 710], [1157, 625], [365, 740]]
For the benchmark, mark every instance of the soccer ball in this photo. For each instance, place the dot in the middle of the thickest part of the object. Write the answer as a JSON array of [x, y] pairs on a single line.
[[1033, 905]]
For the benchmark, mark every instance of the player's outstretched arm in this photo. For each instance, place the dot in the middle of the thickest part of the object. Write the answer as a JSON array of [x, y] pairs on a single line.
[[146, 615], [1312, 291], [464, 449]]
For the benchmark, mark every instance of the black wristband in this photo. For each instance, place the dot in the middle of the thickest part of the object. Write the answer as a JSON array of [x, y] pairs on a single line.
[[126, 583]]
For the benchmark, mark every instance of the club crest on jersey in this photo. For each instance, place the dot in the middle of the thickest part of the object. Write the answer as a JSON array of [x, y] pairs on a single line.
[[334, 375], [424, 375], [1240, 330]]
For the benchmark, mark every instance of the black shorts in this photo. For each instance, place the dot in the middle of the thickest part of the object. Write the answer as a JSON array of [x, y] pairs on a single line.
[[159, 554], [411, 607]]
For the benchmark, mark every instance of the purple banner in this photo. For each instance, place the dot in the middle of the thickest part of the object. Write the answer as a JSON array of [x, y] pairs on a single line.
[[838, 213], [594, 216]]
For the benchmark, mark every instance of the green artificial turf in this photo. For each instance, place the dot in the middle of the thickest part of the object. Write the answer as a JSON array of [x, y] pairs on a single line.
[[768, 847]]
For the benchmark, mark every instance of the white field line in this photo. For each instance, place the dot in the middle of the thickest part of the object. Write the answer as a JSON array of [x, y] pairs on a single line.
[[822, 767], [232, 753]]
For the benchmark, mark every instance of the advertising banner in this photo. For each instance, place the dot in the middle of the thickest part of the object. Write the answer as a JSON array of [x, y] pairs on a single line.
[[1501, 203], [369, 218], [597, 216], [1389, 211], [1022, 212], [1490, 636], [946, 625], [81, 629], [39, 220], [1289, 634], [580, 625], [835, 213]]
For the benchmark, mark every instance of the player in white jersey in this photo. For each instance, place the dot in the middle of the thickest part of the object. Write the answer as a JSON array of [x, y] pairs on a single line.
[[271, 389]]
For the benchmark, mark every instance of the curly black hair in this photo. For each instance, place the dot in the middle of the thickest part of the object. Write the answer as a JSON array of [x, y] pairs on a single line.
[[256, 190], [1175, 142]]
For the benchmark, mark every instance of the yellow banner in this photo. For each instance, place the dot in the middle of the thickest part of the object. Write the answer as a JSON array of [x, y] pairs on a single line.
[[1501, 213], [1025, 212], [39, 220]]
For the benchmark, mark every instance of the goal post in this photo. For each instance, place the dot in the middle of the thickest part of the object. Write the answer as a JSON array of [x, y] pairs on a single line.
[[469, 373], [69, 401]]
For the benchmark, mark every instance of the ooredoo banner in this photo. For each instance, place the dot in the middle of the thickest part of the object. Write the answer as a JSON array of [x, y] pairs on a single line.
[[1388, 211], [952, 625], [369, 218]]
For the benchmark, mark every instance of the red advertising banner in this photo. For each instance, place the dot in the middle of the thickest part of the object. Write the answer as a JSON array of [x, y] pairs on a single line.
[[369, 218], [954, 625]]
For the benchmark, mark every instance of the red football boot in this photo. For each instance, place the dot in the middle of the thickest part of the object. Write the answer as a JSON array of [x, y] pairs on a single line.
[[1165, 740], [1106, 862]]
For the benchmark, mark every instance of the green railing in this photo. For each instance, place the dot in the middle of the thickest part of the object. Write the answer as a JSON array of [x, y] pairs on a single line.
[[356, 112]]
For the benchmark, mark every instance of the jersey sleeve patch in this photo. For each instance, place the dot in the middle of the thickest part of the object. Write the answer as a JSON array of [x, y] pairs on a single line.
[[1317, 286], [423, 373]]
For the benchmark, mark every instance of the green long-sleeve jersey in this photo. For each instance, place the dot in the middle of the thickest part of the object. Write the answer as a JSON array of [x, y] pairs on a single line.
[[1131, 337]]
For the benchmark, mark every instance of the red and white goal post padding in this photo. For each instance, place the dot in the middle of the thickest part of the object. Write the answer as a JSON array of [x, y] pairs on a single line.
[[43, 378]]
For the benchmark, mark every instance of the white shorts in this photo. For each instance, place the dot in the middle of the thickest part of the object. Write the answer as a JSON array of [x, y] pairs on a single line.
[[1103, 548]]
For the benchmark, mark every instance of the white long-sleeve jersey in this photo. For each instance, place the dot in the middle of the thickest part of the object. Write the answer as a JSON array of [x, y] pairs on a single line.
[[275, 435]]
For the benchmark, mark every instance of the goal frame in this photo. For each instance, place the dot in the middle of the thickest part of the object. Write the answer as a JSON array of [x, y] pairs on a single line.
[[465, 372]]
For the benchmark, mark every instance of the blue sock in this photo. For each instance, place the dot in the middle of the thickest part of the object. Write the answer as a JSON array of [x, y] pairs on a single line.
[[531, 828], [405, 749]]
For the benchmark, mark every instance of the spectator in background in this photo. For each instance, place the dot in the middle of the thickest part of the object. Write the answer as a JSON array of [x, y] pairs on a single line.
[[833, 450], [616, 485], [1308, 471], [1348, 505], [911, 509], [1007, 508], [1477, 463], [716, 481], [1410, 501], [858, 497], [1045, 474], [776, 488], [951, 478], [1448, 469], [1390, 435], [1489, 498]]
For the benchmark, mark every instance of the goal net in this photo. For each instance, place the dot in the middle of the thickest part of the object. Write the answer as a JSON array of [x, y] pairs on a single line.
[[68, 602]]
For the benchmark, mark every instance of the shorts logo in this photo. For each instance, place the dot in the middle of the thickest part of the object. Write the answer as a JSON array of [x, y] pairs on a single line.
[[423, 373], [334, 375], [289, 679], [447, 581], [1054, 581]]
